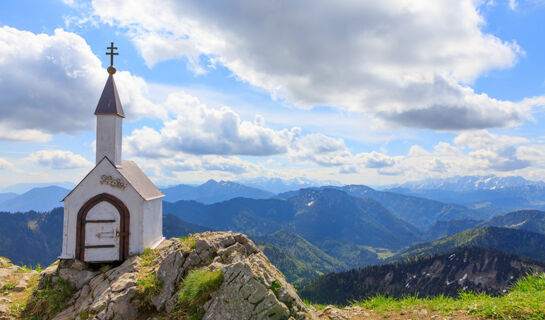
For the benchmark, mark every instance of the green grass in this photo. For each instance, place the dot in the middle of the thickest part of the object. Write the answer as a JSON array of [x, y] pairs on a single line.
[[275, 286], [8, 287], [147, 287], [48, 301], [525, 301], [188, 241], [7, 261], [147, 284], [148, 256], [195, 290]]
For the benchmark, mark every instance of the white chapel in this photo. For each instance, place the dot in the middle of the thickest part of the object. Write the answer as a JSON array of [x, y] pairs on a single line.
[[115, 211]]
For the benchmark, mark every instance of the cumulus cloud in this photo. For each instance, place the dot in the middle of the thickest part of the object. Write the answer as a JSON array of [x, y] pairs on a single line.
[[498, 152], [198, 137], [59, 159], [50, 84], [198, 129], [404, 62]]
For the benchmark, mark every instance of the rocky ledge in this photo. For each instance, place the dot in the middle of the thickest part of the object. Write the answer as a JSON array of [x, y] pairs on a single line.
[[16, 283], [213, 275]]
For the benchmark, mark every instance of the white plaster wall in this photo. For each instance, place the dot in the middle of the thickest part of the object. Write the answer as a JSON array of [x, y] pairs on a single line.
[[91, 187], [153, 222], [109, 134]]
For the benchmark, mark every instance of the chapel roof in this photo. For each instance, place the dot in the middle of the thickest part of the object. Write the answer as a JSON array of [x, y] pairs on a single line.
[[109, 102], [135, 177], [139, 181]]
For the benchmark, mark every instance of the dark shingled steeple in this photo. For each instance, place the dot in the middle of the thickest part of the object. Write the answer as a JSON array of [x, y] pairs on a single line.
[[109, 102]]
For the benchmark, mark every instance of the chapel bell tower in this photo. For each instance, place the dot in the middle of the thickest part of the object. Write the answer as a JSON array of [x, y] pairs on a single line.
[[109, 113]]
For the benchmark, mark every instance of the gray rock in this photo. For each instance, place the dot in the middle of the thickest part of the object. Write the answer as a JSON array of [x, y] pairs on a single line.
[[245, 292]]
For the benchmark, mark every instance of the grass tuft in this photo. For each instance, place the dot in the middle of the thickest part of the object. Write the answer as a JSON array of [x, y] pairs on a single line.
[[49, 300], [195, 290], [188, 241], [148, 285], [275, 286], [8, 287]]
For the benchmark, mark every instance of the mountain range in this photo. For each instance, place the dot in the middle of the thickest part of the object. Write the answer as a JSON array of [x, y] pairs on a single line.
[[462, 269], [519, 242], [418, 211], [469, 183], [39, 199], [213, 191], [327, 218], [278, 185]]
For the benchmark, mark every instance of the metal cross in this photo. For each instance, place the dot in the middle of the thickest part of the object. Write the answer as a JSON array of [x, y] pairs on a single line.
[[112, 53]]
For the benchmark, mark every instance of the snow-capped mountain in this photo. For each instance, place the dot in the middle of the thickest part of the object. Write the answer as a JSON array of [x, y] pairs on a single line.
[[470, 183]]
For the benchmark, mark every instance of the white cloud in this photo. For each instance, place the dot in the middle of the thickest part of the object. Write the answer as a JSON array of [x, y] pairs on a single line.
[[197, 129], [50, 84], [513, 4], [59, 159], [5, 164], [7, 132], [198, 137], [405, 62]]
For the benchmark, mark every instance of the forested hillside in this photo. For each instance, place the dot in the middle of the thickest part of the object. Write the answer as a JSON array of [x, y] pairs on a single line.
[[467, 269]]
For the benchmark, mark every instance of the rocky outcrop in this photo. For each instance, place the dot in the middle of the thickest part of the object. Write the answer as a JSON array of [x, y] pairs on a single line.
[[245, 284], [15, 286]]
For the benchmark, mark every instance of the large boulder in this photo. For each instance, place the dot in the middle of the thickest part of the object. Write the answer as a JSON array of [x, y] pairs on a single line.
[[213, 275]]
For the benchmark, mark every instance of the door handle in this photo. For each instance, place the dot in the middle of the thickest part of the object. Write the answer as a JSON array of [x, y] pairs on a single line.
[[120, 234]]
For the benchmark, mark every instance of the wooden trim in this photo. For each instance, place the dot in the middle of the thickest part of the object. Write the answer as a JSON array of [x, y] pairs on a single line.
[[124, 224], [99, 221], [100, 246]]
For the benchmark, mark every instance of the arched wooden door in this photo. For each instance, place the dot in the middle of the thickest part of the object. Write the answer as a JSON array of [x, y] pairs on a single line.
[[102, 233]]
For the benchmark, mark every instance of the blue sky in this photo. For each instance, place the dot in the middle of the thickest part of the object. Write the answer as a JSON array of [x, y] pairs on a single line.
[[371, 93]]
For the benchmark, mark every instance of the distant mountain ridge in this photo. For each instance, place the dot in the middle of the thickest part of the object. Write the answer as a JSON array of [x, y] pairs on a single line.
[[514, 241], [462, 269], [40, 199], [335, 222], [213, 191], [470, 183], [418, 211], [279, 185], [529, 220], [20, 188]]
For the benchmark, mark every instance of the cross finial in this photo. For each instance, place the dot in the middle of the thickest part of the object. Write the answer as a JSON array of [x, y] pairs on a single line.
[[111, 69]]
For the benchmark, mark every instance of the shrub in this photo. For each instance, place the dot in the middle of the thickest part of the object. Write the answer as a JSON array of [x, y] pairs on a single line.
[[275, 286]]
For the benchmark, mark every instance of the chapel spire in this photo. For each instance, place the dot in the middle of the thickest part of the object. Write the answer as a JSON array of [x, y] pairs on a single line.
[[110, 116], [109, 103]]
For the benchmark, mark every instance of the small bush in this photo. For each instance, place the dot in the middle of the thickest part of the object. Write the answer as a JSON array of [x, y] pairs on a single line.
[[275, 286], [196, 289], [48, 301]]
